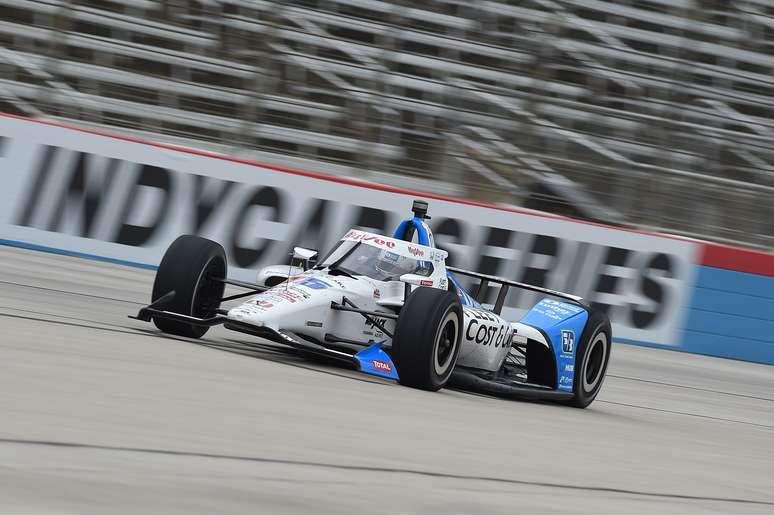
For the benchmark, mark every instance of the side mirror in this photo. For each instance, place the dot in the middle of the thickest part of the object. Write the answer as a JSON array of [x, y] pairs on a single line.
[[307, 257], [416, 280], [303, 254]]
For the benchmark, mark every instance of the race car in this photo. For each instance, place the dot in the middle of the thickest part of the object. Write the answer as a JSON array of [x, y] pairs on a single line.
[[389, 306]]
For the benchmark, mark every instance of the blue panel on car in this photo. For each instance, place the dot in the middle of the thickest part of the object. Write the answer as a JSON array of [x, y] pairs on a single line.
[[563, 323], [373, 360]]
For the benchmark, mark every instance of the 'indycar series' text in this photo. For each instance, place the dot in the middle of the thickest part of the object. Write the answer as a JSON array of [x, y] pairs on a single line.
[[389, 306]]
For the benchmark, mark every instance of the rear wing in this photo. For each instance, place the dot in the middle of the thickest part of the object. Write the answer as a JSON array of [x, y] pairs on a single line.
[[505, 284]]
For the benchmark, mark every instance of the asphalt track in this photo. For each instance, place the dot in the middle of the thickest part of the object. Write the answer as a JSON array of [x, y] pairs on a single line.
[[100, 414]]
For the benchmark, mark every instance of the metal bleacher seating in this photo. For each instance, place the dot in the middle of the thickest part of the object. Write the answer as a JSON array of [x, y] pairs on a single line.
[[654, 113]]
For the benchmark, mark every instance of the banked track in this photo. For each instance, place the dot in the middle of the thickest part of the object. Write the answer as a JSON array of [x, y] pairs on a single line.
[[102, 414]]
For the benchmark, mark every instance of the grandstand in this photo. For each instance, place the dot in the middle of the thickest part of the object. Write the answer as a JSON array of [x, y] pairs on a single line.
[[645, 113]]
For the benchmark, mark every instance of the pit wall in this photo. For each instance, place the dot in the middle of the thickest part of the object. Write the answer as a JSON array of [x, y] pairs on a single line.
[[117, 199]]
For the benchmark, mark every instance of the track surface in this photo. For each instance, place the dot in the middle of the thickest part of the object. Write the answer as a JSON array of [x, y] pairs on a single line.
[[101, 414]]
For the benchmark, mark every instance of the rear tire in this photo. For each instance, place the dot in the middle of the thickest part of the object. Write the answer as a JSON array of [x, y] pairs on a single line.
[[188, 268], [591, 360], [427, 338]]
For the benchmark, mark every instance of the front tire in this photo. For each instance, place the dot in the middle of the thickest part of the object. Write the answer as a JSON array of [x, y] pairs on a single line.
[[591, 360], [188, 268], [427, 338]]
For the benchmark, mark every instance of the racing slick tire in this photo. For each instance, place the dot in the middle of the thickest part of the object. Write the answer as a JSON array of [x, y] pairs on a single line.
[[427, 338], [593, 355], [187, 268]]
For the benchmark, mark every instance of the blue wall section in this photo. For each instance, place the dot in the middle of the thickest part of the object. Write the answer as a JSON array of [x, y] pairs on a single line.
[[731, 315]]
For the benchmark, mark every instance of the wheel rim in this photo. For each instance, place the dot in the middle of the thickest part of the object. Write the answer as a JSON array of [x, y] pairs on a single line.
[[206, 298], [594, 362], [446, 343]]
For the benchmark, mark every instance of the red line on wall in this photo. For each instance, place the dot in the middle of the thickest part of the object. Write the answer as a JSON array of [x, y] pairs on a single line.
[[738, 259]]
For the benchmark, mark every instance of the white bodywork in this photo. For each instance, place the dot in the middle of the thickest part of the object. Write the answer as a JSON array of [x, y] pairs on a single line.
[[302, 304]]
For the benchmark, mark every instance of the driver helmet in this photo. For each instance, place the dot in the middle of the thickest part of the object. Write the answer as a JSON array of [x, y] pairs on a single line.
[[392, 264]]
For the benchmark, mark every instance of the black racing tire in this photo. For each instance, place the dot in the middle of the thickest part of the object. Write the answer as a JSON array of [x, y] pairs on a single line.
[[427, 338], [593, 355], [187, 268]]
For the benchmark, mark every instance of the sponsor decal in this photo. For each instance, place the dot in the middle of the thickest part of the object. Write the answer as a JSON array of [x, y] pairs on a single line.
[[286, 337], [309, 323], [568, 341], [569, 368], [556, 310], [482, 314], [299, 292], [263, 303], [381, 365], [565, 380], [334, 281], [377, 293], [482, 332], [561, 308], [369, 238], [247, 309], [378, 320], [416, 252], [315, 283], [280, 294], [425, 282]]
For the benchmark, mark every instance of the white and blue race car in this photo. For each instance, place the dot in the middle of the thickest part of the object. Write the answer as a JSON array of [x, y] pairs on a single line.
[[389, 306]]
